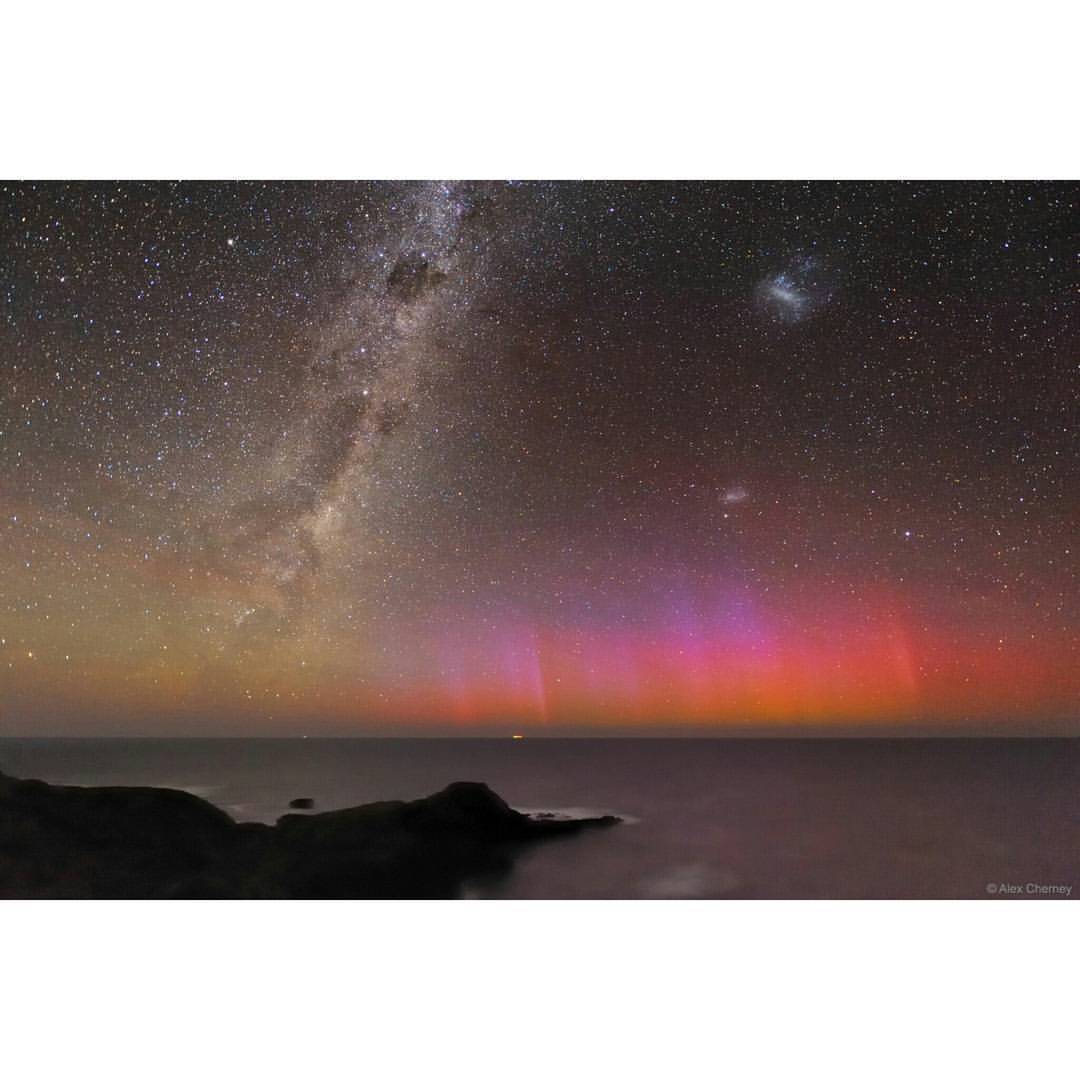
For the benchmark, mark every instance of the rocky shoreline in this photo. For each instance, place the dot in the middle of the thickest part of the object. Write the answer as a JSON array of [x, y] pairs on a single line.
[[60, 842]]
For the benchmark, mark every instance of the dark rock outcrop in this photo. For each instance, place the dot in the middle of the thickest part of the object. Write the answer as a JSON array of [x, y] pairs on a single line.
[[302, 804], [155, 843]]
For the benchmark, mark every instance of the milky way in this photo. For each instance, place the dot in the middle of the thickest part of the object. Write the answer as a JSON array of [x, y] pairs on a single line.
[[378, 357], [481, 457]]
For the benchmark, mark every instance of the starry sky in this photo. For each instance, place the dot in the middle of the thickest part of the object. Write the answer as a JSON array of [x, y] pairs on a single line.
[[397, 458]]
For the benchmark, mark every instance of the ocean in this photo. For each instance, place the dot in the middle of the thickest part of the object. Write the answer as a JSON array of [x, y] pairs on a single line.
[[704, 818]]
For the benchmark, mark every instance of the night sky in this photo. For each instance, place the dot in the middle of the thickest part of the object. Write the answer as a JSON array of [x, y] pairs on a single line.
[[337, 458]]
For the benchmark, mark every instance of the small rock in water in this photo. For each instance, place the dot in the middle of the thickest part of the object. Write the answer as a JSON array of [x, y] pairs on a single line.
[[302, 804]]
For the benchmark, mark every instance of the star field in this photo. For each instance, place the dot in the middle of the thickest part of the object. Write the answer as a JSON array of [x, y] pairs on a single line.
[[382, 457]]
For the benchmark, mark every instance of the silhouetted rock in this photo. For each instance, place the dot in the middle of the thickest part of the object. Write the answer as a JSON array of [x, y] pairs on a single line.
[[302, 804], [117, 842]]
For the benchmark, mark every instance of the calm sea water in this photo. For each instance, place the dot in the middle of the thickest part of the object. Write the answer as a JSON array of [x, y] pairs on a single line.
[[705, 818]]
